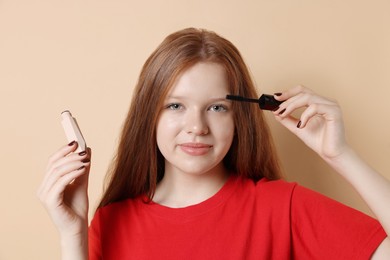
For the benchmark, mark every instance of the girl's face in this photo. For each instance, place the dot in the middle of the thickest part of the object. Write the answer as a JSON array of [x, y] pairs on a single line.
[[195, 127]]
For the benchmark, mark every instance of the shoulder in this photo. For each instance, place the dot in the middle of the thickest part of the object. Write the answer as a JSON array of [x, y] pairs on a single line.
[[274, 189], [267, 185], [266, 193], [267, 201], [119, 210]]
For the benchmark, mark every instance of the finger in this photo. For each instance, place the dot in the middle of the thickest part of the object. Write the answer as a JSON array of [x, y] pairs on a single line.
[[62, 152], [65, 165], [68, 165], [299, 101], [64, 155], [328, 112], [54, 196], [282, 96], [61, 157], [303, 99]]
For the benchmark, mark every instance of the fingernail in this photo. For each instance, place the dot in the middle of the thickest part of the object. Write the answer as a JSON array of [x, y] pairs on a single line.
[[85, 161], [281, 112], [278, 94], [299, 124], [82, 153], [72, 143], [82, 167]]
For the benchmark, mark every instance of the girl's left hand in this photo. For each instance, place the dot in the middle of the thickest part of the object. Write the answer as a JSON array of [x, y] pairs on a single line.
[[320, 125]]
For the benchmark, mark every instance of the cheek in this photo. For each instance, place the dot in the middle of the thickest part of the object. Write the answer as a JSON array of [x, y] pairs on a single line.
[[224, 130], [171, 123], [166, 127]]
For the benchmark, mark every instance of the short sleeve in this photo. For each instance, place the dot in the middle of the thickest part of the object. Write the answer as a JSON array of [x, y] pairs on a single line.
[[94, 241], [323, 228]]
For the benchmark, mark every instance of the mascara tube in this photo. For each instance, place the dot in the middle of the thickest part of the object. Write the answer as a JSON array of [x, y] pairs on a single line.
[[266, 102], [72, 131]]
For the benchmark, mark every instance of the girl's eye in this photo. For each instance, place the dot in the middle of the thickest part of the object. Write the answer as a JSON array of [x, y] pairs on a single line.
[[174, 106], [218, 108]]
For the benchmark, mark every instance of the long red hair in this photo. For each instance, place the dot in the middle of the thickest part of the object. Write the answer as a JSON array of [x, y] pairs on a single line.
[[138, 165]]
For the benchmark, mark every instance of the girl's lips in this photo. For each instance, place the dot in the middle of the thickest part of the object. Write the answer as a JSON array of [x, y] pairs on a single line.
[[195, 149]]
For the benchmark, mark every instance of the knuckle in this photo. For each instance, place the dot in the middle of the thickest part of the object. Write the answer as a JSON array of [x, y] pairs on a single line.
[[314, 106], [300, 88], [50, 160], [47, 202], [306, 96], [335, 101], [43, 198], [56, 170], [51, 157]]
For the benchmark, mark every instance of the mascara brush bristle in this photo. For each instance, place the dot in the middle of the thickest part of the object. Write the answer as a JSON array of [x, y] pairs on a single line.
[[242, 99]]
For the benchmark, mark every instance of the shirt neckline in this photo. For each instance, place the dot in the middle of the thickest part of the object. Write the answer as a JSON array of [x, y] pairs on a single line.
[[191, 212]]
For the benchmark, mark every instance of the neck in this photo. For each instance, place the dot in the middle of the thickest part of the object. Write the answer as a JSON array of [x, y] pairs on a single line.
[[177, 189]]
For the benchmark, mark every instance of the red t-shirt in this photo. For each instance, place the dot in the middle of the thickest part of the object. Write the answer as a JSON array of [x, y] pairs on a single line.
[[244, 220]]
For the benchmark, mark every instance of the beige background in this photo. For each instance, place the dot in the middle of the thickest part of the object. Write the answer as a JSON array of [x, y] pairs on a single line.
[[86, 55]]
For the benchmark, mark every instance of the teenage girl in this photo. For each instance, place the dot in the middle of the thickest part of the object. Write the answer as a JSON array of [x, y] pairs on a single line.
[[196, 176]]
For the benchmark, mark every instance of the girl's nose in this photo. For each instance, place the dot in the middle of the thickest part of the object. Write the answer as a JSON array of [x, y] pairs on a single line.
[[196, 124]]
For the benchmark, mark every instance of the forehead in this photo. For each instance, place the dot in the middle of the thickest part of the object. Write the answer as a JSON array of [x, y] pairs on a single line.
[[205, 77]]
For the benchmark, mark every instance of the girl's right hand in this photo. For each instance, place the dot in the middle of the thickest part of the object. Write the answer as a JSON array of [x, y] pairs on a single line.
[[63, 190]]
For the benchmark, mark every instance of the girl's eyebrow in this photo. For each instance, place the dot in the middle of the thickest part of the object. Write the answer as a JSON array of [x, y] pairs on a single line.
[[216, 99], [219, 99]]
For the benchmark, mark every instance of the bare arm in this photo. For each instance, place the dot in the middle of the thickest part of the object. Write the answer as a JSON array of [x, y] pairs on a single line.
[[321, 128], [372, 187]]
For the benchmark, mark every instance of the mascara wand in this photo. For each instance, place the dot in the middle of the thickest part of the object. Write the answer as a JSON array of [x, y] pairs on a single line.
[[266, 102]]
